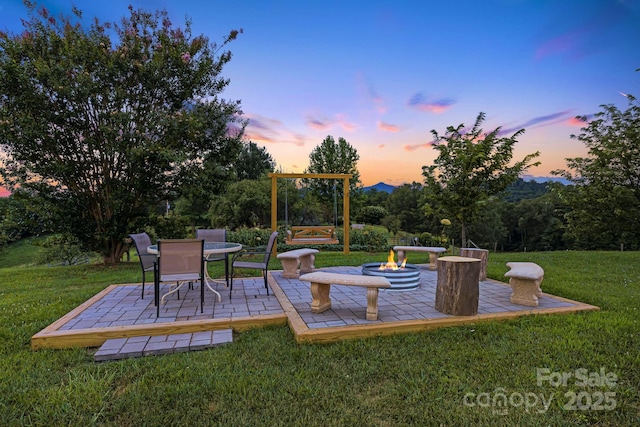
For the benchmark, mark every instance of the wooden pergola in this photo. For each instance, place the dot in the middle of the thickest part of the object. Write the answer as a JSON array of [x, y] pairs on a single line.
[[345, 201]]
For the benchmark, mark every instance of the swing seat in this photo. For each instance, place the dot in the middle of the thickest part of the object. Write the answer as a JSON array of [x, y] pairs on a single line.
[[312, 235]]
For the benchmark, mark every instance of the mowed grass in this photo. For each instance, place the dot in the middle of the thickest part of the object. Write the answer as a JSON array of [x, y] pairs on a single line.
[[480, 374]]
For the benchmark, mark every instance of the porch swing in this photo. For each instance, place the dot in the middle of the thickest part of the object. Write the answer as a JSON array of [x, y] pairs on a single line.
[[311, 234]]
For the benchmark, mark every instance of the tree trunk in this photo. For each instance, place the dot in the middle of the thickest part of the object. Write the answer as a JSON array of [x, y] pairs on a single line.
[[463, 235], [115, 250]]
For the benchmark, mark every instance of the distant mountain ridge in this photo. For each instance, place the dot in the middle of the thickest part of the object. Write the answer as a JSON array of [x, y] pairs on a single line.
[[381, 186]]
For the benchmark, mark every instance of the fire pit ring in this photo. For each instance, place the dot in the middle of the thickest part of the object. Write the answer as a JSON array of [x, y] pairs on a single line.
[[402, 279]]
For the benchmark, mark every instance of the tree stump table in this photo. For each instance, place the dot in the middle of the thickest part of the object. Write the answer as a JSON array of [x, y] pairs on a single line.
[[482, 255], [457, 288]]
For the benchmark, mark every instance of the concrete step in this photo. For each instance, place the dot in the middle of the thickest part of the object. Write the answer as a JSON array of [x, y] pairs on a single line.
[[124, 348]]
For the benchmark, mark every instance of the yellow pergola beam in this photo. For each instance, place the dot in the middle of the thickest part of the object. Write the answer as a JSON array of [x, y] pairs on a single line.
[[345, 201]]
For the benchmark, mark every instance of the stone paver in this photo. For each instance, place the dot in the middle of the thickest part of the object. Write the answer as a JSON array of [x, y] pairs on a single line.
[[123, 348]]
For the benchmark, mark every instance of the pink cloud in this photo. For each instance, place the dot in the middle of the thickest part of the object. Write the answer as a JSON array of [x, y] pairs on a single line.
[[415, 147], [539, 121], [561, 44], [266, 130], [388, 127], [325, 124], [299, 140], [576, 121], [318, 124], [422, 103], [344, 124], [381, 146], [4, 192], [257, 137]]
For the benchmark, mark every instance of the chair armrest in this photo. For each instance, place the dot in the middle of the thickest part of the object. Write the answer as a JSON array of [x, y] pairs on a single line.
[[247, 253]]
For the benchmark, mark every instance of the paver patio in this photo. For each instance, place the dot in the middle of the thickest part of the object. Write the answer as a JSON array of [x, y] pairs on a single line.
[[118, 311]]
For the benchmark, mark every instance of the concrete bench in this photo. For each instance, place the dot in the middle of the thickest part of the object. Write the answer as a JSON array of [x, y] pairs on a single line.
[[525, 279], [321, 286], [291, 259], [433, 253]]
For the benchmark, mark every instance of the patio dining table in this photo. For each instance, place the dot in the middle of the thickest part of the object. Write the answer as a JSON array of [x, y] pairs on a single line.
[[210, 248]]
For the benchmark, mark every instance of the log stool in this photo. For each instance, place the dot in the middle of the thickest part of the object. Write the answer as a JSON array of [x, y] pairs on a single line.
[[482, 255], [457, 288]]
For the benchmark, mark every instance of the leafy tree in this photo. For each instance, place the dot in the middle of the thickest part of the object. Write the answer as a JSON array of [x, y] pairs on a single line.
[[521, 189], [373, 197], [22, 216], [372, 214], [246, 204], [254, 162], [488, 229], [605, 195], [471, 167], [102, 121], [392, 223], [332, 157], [62, 248], [404, 204]]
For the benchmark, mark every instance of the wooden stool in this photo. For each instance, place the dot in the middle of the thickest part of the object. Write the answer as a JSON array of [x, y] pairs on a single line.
[[457, 290], [482, 255]]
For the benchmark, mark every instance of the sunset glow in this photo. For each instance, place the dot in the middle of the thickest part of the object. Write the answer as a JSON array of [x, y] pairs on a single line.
[[382, 75]]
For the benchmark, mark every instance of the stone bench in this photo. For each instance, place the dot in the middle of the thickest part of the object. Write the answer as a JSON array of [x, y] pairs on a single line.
[[321, 286], [291, 259], [525, 279], [433, 253]]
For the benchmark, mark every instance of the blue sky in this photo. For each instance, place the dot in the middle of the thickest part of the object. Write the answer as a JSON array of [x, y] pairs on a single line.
[[383, 74]]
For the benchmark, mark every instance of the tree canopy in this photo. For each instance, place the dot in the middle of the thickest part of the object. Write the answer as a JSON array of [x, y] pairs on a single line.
[[471, 167], [605, 195], [102, 121], [332, 157]]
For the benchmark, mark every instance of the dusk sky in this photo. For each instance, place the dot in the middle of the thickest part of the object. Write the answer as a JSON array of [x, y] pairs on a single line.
[[383, 74]]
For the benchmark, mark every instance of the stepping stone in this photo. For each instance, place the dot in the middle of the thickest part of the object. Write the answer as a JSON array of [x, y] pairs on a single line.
[[124, 348]]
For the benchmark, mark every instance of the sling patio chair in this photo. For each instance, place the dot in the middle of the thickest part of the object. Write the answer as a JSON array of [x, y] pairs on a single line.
[[215, 235], [142, 241], [261, 263], [179, 261]]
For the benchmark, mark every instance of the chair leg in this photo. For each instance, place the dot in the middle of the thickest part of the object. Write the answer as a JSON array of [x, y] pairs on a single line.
[[156, 291], [202, 293], [231, 282], [266, 286], [143, 280], [226, 268]]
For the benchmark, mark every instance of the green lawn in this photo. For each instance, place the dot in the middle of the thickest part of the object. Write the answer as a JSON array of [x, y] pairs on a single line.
[[453, 376]]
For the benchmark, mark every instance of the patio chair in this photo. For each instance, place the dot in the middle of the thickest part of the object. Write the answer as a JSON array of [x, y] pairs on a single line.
[[261, 264], [179, 261], [142, 241], [215, 235]]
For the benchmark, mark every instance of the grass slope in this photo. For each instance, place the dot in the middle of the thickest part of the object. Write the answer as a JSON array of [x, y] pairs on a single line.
[[453, 376]]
